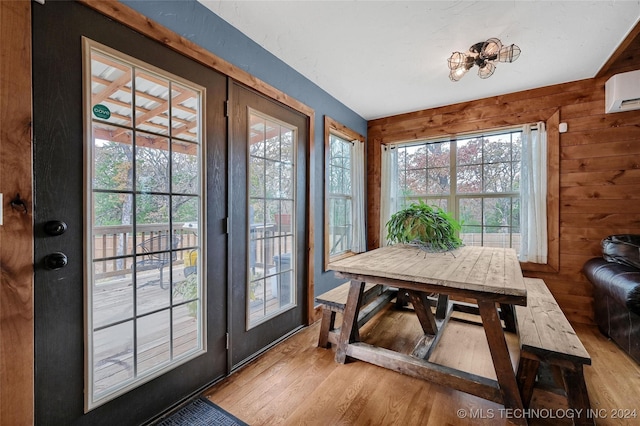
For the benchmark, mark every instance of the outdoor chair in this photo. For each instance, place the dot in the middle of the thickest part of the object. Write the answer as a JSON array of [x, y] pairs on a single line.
[[156, 253]]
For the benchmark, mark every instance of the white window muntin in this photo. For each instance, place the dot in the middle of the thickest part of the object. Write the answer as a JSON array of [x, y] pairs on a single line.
[[451, 200], [278, 236], [193, 138]]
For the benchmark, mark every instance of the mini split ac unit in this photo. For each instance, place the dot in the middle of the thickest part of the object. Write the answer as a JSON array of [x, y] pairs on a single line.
[[622, 92]]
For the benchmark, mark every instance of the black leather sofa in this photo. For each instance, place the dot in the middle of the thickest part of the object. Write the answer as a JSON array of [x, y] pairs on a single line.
[[616, 287]]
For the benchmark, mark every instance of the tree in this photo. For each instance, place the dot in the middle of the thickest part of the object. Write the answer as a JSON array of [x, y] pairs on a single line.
[[484, 165]]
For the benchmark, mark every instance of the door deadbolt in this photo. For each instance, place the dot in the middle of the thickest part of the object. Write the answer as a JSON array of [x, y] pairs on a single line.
[[55, 228], [56, 260]]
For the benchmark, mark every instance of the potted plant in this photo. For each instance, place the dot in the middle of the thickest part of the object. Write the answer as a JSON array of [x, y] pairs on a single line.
[[428, 227], [188, 289]]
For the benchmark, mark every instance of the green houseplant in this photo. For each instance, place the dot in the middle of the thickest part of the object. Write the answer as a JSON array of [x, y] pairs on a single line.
[[428, 227], [188, 289]]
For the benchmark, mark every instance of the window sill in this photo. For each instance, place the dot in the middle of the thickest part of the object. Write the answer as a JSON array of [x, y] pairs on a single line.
[[337, 257]]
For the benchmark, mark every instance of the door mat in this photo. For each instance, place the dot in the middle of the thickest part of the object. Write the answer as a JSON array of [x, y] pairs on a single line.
[[201, 412]]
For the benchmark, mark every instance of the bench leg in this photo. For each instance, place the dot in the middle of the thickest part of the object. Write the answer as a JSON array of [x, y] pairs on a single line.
[[526, 377], [577, 395], [327, 325], [508, 317], [349, 330]]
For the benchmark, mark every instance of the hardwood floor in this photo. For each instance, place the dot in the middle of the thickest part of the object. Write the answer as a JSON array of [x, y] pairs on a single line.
[[297, 383]]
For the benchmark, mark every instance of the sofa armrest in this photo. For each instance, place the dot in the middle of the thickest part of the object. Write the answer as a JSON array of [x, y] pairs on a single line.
[[621, 282]]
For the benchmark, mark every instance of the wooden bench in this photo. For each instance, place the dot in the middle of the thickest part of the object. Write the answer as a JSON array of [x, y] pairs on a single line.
[[547, 337], [374, 298]]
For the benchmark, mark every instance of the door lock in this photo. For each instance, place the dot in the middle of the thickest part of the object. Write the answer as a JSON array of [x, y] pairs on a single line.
[[56, 260]]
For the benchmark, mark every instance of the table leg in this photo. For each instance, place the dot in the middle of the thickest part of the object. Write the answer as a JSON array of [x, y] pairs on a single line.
[[501, 360], [349, 328], [423, 311], [402, 299], [442, 306]]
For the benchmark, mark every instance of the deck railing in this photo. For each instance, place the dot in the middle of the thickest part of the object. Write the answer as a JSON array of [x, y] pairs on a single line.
[[493, 239], [114, 246]]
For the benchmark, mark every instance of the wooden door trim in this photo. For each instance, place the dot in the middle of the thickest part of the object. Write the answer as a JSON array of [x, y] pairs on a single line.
[[149, 28], [16, 233], [143, 25]]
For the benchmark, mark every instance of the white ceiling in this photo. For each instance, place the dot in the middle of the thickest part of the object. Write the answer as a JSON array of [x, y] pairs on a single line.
[[382, 58]]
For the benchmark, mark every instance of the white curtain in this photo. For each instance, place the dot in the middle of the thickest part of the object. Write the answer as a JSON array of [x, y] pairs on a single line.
[[388, 185], [533, 195], [359, 229]]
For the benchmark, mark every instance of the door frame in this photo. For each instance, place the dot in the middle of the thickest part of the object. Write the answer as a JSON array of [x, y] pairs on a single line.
[[17, 274], [16, 232]]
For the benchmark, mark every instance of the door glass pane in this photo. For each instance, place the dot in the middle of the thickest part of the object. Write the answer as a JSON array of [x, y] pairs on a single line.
[[112, 357], [185, 328], [112, 227], [185, 167], [153, 340], [145, 286], [112, 157], [152, 163], [152, 102], [271, 218], [185, 113], [110, 89], [113, 294]]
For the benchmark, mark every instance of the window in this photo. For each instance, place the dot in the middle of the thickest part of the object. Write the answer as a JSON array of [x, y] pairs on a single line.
[[344, 191], [144, 207], [339, 195], [271, 226], [475, 178]]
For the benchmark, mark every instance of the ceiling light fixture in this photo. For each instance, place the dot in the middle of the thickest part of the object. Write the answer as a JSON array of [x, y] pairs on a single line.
[[483, 54]]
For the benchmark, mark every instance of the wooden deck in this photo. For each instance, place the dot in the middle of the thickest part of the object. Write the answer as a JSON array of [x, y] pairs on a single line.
[[116, 357], [113, 346]]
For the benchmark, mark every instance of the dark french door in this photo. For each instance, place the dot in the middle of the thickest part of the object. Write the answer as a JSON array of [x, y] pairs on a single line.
[[268, 153], [131, 299], [169, 229]]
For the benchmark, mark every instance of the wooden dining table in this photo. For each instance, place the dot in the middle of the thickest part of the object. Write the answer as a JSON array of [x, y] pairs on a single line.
[[490, 276]]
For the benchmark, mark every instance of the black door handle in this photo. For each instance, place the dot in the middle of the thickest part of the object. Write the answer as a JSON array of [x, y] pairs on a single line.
[[56, 260], [55, 228]]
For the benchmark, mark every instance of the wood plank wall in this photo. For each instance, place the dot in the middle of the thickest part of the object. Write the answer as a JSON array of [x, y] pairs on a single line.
[[16, 233], [599, 166]]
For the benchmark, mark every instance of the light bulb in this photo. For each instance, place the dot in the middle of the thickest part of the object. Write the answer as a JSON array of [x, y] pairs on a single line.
[[491, 47], [457, 60], [457, 74], [487, 70], [509, 53]]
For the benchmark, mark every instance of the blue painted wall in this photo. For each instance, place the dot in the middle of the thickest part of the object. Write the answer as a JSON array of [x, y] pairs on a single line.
[[195, 22]]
